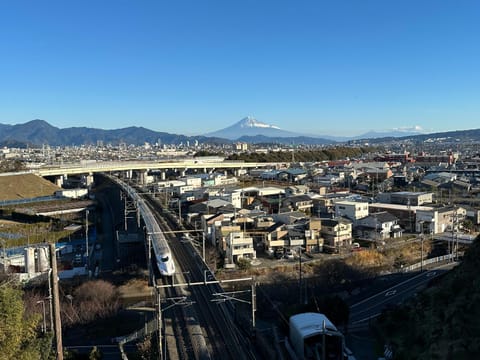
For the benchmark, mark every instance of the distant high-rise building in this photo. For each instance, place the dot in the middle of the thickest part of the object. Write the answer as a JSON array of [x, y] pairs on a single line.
[[241, 146]]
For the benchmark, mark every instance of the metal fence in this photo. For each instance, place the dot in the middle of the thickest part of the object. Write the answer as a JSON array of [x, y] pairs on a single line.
[[427, 262], [27, 201]]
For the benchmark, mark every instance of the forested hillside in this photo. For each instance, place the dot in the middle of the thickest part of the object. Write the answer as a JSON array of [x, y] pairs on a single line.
[[332, 153]]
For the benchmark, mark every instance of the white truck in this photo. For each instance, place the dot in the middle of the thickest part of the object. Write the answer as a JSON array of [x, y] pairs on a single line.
[[313, 336]]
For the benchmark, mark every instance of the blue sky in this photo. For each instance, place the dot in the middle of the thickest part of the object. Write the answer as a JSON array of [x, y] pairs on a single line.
[[192, 67]]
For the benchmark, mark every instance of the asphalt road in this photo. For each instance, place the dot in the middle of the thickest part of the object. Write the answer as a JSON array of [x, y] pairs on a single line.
[[359, 337], [369, 308]]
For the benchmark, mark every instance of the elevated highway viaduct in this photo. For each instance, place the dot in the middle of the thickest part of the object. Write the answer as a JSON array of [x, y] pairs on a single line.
[[141, 168]]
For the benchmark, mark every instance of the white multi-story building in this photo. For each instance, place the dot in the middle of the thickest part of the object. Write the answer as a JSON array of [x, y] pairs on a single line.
[[233, 197], [193, 181], [239, 245], [353, 210]]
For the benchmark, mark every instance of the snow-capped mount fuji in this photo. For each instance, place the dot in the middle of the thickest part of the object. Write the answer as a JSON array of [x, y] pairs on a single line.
[[250, 126], [251, 122]]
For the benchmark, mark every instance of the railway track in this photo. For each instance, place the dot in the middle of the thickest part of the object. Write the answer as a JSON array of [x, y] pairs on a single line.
[[205, 329]]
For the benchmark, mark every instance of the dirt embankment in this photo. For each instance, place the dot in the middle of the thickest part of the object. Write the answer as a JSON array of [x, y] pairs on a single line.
[[25, 186]]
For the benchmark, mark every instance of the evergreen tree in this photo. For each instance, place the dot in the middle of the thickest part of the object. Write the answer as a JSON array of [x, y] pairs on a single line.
[[18, 333]]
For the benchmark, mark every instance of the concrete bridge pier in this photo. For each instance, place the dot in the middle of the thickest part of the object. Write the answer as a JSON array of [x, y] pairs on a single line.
[[143, 177], [89, 180], [59, 180], [163, 175]]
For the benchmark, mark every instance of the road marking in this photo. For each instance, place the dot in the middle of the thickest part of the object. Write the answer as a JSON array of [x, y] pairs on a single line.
[[403, 282], [391, 292]]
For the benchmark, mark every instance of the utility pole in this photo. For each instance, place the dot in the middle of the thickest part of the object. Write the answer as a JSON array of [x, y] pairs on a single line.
[[452, 242], [421, 239], [159, 325], [56, 303], [86, 238], [150, 272], [456, 237], [300, 274], [203, 246], [254, 303], [50, 298], [179, 211]]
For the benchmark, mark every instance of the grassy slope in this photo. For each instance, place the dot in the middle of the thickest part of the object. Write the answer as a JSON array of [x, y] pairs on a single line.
[[14, 187], [444, 321]]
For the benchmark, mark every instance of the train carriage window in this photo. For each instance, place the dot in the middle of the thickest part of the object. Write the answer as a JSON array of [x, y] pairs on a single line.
[[165, 258]]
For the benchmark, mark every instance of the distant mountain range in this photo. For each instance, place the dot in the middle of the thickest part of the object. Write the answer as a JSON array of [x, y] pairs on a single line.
[[39, 132], [250, 129]]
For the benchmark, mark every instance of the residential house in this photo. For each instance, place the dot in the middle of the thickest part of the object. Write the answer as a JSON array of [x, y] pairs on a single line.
[[222, 233], [239, 245], [211, 225], [222, 180], [302, 203], [439, 219], [296, 190], [296, 238], [336, 233], [289, 217], [292, 175], [324, 205], [353, 210], [406, 198], [263, 222], [378, 226], [432, 159], [451, 217], [276, 239], [193, 181], [211, 207], [406, 214], [313, 236], [234, 197], [463, 186]]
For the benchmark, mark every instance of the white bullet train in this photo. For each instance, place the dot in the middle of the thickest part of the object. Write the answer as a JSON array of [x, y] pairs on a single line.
[[163, 255]]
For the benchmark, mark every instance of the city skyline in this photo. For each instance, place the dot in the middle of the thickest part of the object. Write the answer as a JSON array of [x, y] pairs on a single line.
[[192, 68]]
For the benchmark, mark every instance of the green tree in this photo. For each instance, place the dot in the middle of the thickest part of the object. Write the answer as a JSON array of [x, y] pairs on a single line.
[[18, 332], [244, 264]]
